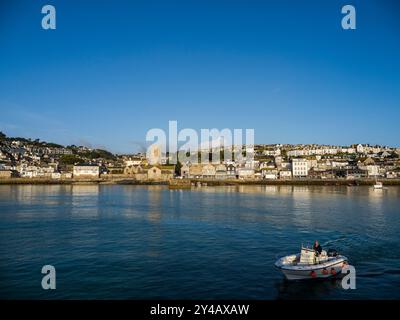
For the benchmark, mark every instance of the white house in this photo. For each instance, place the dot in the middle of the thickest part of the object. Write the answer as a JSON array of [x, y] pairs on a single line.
[[373, 170], [245, 173], [269, 174], [392, 174], [299, 167], [86, 171], [285, 174]]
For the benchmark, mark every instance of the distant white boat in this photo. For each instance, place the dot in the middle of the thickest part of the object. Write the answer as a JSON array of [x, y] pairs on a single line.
[[306, 265], [378, 185]]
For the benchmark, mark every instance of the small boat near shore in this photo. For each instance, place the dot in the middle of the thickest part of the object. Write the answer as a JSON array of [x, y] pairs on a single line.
[[307, 265], [378, 185]]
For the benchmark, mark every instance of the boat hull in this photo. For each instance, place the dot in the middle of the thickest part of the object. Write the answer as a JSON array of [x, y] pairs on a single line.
[[319, 271]]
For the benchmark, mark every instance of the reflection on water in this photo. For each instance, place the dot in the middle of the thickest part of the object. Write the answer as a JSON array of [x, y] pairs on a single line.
[[84, 201], [208, 242], [318, 290]]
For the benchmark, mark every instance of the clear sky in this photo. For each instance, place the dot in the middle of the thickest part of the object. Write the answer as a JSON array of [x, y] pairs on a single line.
[[112, 70]]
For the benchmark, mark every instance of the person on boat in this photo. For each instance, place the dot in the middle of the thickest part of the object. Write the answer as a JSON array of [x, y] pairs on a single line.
[[317, 248]]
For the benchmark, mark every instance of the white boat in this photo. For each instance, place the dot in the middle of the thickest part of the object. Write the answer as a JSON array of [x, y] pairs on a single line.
[[378, 185], [307, 265]]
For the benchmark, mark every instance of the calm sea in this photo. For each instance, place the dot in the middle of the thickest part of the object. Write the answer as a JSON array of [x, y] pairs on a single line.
[[135, 242]]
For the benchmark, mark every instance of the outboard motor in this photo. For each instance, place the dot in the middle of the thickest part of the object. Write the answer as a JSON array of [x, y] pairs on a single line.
[[332, 253]]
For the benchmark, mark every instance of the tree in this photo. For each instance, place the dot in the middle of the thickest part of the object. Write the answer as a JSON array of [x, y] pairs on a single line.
[[394, 155], [98, 153], [178, 167], [70, 159]]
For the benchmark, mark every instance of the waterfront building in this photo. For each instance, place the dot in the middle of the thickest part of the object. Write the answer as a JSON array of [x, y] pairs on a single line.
[[56, 175], [185, 171], [373, 170], [66, 175], [299, 167], [4, 174], [132, 169], [208, 171], [393, 174], [285, 174], [220, 171], [195, 171], [33, 171], [160, 172], [86, 171], [245, 173], [269, 174], [356, 173], [141, 174], [231, 171], [154, 173]]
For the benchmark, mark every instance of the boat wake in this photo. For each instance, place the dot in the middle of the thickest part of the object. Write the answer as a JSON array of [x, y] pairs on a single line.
[[378, 273], [333, 241]]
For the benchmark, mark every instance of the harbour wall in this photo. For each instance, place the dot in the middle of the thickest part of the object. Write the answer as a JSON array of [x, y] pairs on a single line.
[[187, 183]]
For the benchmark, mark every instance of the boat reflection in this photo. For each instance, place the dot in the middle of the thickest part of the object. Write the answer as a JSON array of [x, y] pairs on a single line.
[[305, 290]]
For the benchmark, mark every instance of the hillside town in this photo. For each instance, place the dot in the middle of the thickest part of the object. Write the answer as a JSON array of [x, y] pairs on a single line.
[[26, 158]]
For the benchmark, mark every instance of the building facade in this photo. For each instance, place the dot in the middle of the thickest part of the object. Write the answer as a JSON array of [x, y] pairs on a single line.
[[299, 168], [86, 171]]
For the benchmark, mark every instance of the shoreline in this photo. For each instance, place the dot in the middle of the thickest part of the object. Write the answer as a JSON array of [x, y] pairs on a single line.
[[188, 183]]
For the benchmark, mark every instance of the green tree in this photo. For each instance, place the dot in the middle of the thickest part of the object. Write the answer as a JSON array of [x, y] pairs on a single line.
[[70, 159], [178, 168], [98, 153]]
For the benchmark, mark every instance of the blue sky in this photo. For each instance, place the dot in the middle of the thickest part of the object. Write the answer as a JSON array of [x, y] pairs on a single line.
[[112, 70]]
